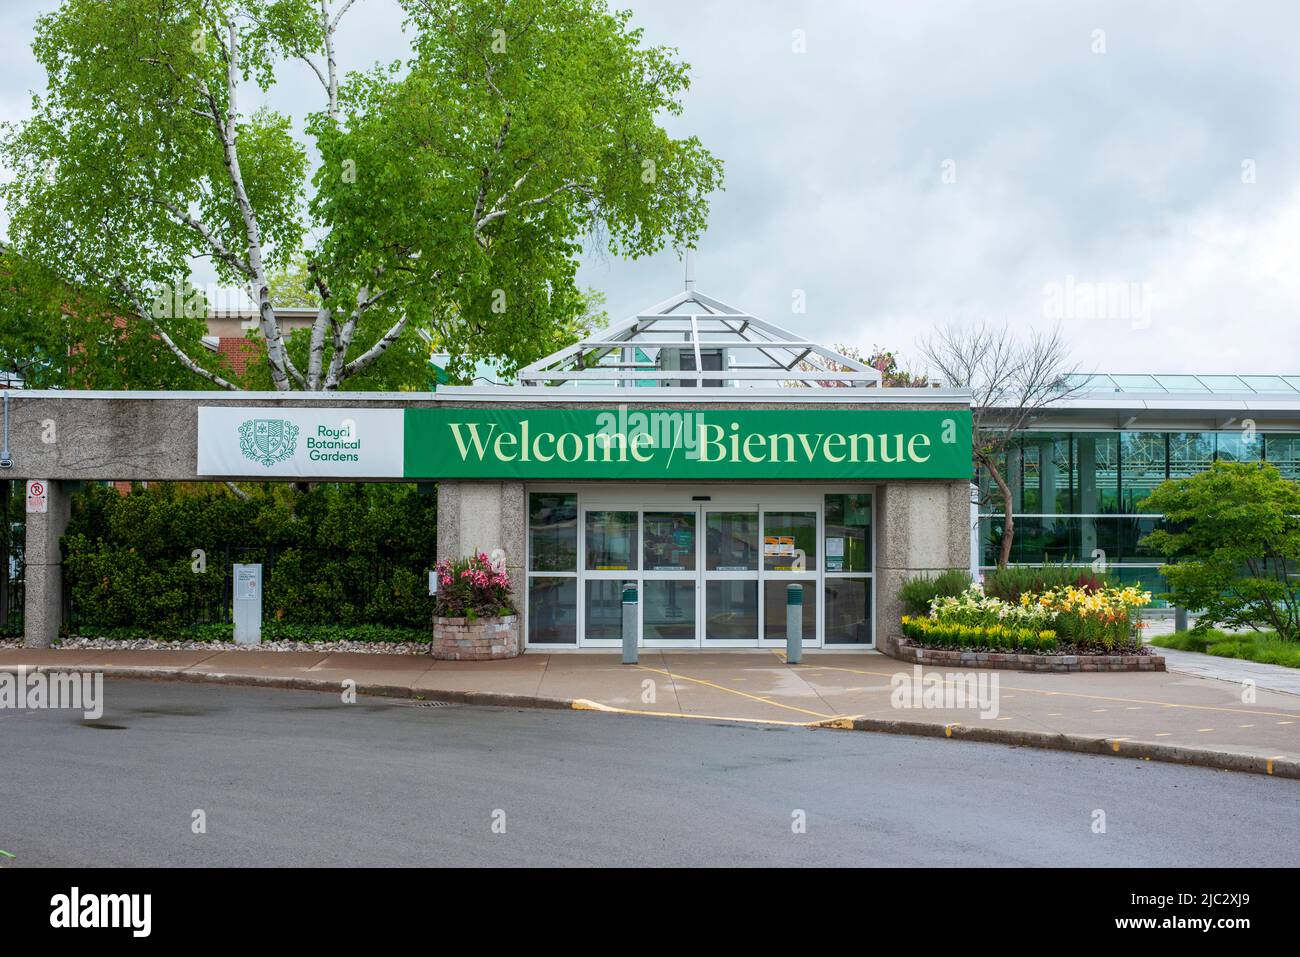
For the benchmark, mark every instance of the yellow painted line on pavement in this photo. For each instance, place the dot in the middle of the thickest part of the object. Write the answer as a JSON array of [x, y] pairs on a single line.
[[1092, 697], [743, 694], [582, 704]]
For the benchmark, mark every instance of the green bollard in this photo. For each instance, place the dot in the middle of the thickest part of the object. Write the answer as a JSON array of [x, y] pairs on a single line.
[[793, 623], [629, 623]]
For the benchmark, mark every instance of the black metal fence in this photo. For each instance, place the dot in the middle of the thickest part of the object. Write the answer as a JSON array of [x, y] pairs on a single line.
[[13, 529]]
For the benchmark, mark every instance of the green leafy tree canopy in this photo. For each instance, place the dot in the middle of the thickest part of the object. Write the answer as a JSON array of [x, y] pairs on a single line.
[[1234, 534], [440, 206]]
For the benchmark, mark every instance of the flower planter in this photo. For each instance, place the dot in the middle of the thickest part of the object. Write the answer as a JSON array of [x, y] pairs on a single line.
[[480, 639]]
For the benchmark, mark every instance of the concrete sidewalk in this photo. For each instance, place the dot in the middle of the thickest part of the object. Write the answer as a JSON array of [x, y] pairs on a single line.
[[1162, 716]]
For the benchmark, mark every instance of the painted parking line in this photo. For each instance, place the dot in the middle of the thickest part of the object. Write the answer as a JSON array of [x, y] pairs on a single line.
[[744, 694], [1099, 697], [582, 704]]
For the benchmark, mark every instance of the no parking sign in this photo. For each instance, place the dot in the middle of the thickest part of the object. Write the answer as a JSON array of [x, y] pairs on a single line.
[[38, 497]]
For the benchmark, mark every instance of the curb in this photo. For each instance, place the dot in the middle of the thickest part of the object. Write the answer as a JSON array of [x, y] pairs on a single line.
[[1080, 744], [486, 698]]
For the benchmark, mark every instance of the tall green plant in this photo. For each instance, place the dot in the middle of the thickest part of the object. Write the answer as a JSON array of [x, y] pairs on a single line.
[[1234, 535]]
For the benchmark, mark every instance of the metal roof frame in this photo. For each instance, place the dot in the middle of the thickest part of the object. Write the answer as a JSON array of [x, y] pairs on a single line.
[[693, 323]]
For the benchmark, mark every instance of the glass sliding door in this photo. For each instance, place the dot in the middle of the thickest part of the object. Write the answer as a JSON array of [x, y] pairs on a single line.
[[714, 575], [789, 558], [610, 557], [731, 559], [552, 569], [848, 566], [669, 596]]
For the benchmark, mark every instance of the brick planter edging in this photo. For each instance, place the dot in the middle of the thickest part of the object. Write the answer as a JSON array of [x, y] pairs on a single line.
[[483, 639], [1013, 662]]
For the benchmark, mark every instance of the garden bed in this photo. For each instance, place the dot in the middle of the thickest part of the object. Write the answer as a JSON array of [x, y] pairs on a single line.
[[909, 651]]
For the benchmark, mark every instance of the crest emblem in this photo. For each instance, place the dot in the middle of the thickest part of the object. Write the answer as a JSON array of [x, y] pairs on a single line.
[[268, 441]]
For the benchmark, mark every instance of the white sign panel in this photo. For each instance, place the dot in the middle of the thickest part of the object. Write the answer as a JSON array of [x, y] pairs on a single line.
[[301, 443], [38, 497], [246, 582]]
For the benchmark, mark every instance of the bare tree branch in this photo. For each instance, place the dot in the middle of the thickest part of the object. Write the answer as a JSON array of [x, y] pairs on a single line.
[[1011, 381]]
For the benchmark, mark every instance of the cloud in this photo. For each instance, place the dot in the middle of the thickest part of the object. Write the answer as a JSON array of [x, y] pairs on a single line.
[[1123, 166]]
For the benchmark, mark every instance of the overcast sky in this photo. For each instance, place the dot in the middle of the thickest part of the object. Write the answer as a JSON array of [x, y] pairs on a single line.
[[1130, 167]]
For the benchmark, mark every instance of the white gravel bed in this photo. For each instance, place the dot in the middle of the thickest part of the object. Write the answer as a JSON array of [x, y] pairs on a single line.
[[149, 644]]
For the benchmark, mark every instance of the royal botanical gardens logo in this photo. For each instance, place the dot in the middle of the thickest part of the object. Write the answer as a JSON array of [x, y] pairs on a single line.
[[268, 441]]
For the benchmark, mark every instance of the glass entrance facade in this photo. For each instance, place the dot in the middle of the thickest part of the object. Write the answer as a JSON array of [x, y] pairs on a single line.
[[708, 573], [1075, 494]]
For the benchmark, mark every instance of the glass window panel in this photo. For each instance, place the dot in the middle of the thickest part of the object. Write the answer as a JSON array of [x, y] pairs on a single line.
[[731, 610], [1137, 383], [990, 497], [774, 605], [1268, 383], [1284, 452], [669, 541], [1225, 384], [1142, 462], [611, 541], [553, 531], [848, 532], [1070, 540], [552, 611], [1026, 491], [848, 611], [604, 608], [1190, 453], [1182, 383], [1096, 457], [668, 609], [784, 535], [731, 541], [1235, 447], [1039, 540]]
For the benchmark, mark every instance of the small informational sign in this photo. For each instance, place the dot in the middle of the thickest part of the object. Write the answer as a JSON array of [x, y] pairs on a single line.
[[248, 583], [771, 546], [248, 604], [38, 497], [787, 546]]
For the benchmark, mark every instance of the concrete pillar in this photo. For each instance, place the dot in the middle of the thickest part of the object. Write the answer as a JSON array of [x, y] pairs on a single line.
[[43, 568], [481, 517], [924, 528]]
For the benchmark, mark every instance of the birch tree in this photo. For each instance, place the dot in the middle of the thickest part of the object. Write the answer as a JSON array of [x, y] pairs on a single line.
[[438, 204]]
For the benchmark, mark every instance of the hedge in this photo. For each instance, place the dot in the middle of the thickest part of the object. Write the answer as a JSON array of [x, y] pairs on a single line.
[[334, 555]]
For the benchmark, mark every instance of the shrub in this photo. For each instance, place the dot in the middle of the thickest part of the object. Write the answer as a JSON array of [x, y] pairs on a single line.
[[1234, 534], [1015, 580], [472, 588], [334, 555], [917, 593]]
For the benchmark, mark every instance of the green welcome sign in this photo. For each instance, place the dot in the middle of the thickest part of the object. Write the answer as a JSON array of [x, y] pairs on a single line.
[[593, 444]]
